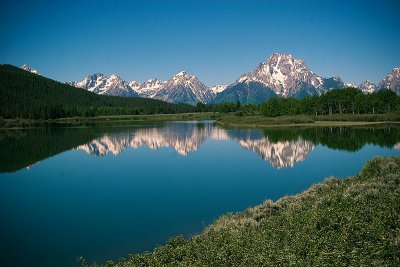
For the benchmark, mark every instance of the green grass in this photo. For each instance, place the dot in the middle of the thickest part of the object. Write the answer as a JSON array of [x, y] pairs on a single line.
[[336, 119], [354, 222]]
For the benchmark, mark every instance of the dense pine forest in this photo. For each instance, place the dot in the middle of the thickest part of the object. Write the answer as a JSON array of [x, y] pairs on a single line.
[[27, 95]]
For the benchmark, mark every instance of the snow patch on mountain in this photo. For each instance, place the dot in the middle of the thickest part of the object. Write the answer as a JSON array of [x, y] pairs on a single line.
[[368, 87], [101, 84], [218, 88], [391, 81], [27, 68], [149, 88]]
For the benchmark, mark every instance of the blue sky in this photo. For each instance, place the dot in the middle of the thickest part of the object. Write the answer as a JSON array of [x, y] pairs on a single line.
[[215, 40]]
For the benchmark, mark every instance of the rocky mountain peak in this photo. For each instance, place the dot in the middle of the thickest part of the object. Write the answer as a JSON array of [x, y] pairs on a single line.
[[27, 68], [391, 81], [368, 87], [184, 88], [285, 75]]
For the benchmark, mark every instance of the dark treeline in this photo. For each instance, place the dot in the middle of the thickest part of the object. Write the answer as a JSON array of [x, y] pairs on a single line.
[[27, 95], [337, 101]]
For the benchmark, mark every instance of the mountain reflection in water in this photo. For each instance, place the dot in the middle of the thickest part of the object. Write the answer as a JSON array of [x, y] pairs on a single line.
[[188, 137], [281, 147]]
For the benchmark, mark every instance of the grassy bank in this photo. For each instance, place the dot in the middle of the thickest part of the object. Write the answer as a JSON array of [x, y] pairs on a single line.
[[26, 123], [307, 120], [354, 222]]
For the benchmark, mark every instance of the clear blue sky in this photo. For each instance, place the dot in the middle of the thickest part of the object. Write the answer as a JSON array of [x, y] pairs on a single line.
[[215, 40]]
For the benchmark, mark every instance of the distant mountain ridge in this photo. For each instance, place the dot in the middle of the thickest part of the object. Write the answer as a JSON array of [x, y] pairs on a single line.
[[100, 84], [390, 82], [280, 75]]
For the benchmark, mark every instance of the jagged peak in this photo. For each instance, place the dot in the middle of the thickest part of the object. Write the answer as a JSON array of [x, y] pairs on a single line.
[[277, 55], [182, 76], [114, 76], [396, 69], [27, 68], [181, 73]]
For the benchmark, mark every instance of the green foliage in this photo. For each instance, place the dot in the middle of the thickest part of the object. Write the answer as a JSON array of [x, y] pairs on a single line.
[[30, 96], [337, 101], [354, 222]]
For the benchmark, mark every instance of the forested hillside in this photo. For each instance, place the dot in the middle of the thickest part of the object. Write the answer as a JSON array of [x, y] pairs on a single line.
[[27, 95]]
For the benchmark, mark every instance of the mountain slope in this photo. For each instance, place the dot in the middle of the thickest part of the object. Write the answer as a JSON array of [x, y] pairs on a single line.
[[245, 92], [26, 95]]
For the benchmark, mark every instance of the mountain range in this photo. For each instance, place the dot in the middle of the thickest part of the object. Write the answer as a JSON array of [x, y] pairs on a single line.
[[280, 75]]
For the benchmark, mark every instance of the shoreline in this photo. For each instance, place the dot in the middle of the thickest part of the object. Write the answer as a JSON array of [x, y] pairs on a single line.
[[8, 124], [229, 120]]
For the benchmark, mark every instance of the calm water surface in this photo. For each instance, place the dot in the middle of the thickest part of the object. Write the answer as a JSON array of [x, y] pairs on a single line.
[[104, 191]]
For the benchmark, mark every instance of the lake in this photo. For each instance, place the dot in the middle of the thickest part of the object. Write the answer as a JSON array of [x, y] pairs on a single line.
[[103, 191]]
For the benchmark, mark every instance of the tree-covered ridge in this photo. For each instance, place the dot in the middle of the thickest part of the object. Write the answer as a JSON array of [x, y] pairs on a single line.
[[354, 222], [27, 95]]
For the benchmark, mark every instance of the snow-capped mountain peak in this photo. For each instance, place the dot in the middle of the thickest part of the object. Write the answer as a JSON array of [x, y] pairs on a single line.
[[218, 88], [391, 81], [183, 78], [287, 76], [149, 88], [184, 88], [134, 85], [181, 73], [27, 68], [101, 84], [368, 87]]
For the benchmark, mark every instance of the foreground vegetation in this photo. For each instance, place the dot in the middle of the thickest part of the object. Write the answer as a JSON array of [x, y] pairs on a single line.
[[354, 222]]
